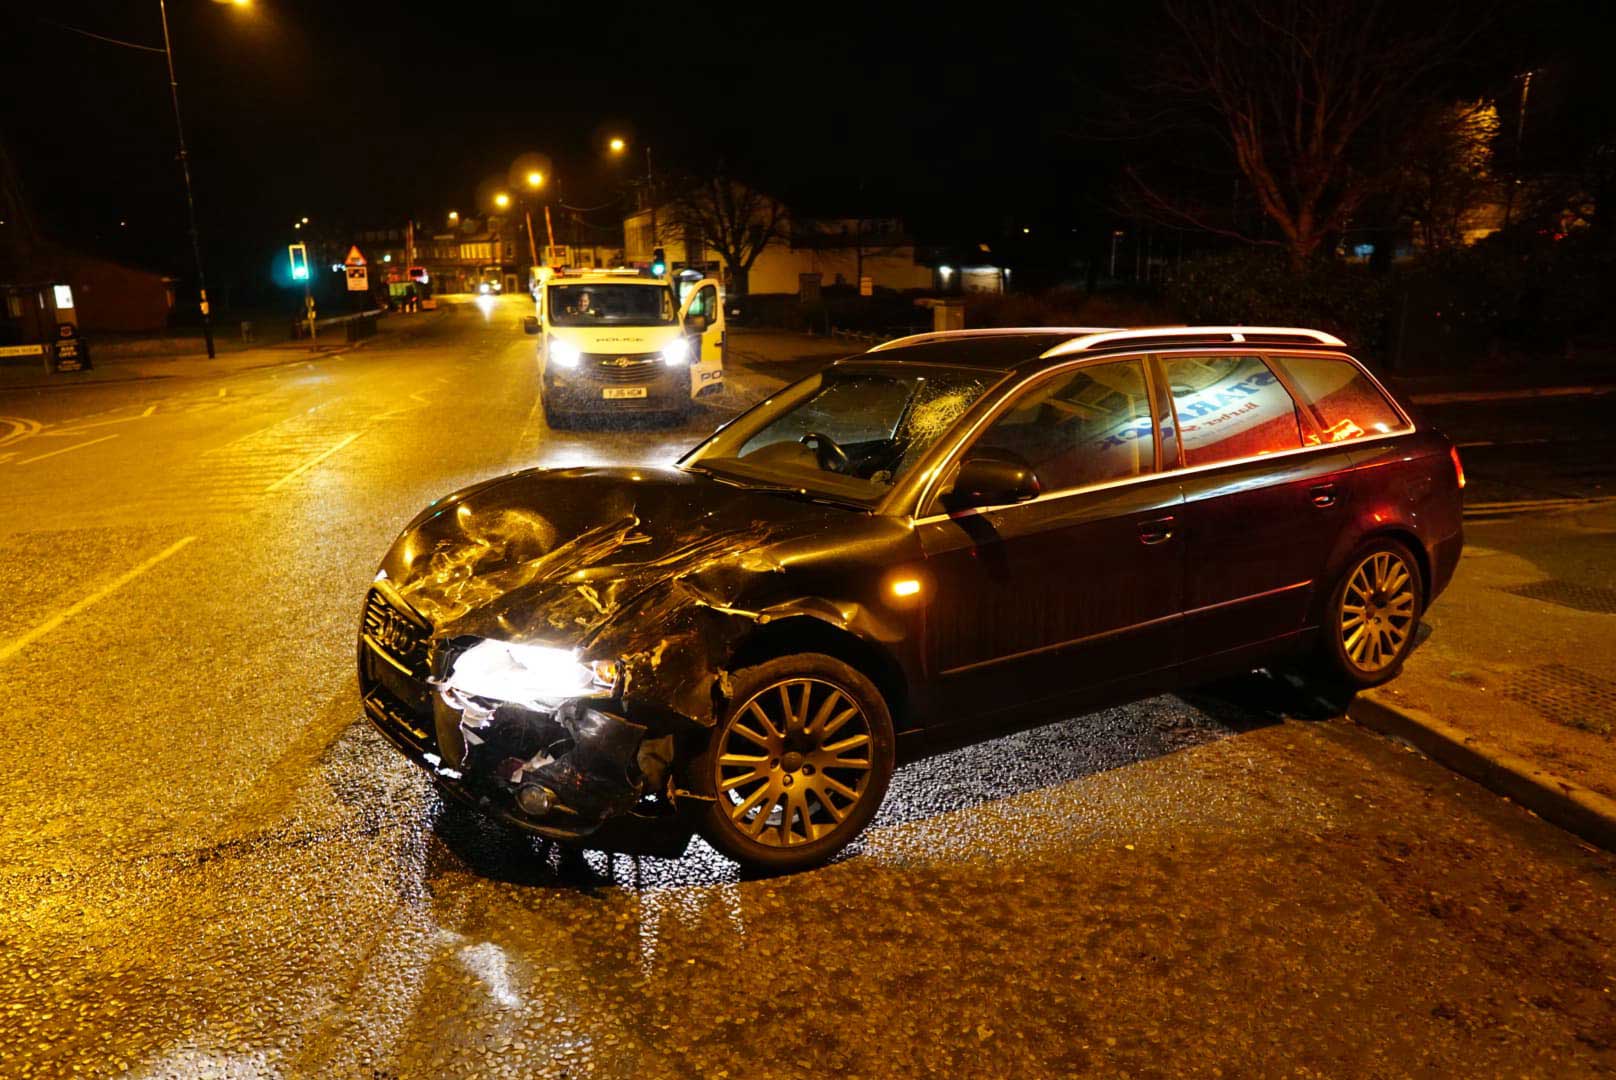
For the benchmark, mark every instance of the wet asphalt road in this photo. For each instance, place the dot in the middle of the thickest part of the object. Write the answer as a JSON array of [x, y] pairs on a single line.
[[214, 868]]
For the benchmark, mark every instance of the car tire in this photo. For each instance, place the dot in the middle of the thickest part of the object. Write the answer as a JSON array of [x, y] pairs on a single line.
[[1371, 618], [799, 761]]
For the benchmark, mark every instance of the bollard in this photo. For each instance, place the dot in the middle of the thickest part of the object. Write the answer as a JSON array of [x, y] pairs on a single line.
[[246, 332]]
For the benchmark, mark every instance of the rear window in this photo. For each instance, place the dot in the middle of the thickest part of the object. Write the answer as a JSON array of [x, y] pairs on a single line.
[[1229, 407], [1344, 403]]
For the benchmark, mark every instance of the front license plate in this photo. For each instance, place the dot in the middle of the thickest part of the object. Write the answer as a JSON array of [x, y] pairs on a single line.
[[615, 392]]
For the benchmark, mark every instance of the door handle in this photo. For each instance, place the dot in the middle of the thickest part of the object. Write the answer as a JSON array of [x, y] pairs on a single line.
[[1324, 495], [1157, 530]]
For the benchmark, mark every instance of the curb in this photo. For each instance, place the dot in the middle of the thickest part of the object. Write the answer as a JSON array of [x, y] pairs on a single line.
[[1569, 805], [301, 358], [1458, 397]]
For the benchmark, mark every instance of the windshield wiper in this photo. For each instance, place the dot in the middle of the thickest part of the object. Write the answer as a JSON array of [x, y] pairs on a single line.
[[769, 488]]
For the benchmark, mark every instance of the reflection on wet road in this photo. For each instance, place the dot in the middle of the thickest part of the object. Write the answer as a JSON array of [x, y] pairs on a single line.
[[215, 868]]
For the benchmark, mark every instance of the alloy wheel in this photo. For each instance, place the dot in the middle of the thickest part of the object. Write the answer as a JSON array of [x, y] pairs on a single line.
[[793, 762], [1377, 611]]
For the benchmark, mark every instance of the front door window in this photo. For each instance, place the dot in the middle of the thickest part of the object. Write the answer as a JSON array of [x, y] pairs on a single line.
[[1081, 428]]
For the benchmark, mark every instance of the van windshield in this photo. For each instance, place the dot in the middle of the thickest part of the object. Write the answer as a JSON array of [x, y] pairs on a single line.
[[589, 303]]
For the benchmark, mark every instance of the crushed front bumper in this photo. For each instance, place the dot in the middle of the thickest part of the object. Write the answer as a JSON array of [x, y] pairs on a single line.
[[573, 773]]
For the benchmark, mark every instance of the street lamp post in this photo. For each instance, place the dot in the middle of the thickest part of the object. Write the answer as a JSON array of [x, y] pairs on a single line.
[[617, 145], [535, 180], [185, 170]]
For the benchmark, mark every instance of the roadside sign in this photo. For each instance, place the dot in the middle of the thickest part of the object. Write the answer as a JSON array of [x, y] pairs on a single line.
[[866, 286], [354, 258], [358, 278], [71, 355], [21, 350]]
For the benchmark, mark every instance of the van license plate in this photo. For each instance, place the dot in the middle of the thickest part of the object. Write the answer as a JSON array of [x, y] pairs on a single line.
[[612, 392]]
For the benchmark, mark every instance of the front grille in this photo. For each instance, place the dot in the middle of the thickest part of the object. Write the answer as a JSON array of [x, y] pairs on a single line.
[[412, 732], [400, 636], [617, 368]]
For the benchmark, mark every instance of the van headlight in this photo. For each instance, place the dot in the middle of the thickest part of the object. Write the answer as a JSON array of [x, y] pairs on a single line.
[[563, 354], [526, 674], [677, 352]]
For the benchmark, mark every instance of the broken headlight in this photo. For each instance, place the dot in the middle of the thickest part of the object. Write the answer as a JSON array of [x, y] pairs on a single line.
[[526, 674]]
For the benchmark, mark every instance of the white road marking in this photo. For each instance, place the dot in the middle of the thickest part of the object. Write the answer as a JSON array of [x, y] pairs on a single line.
[[149, 410], [67, 449], [16, 645], [313, 461]]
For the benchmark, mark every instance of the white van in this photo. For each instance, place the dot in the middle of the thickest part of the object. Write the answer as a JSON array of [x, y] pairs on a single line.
[[622, 342]]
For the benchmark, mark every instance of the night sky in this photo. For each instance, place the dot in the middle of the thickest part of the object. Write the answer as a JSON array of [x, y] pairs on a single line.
[[361, 114], [369, 112]]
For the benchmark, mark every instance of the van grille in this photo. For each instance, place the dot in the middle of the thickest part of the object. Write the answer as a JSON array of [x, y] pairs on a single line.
[[616, 368]]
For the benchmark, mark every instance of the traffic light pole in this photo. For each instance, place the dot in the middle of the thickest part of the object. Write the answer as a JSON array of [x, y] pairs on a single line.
[[185, 170]]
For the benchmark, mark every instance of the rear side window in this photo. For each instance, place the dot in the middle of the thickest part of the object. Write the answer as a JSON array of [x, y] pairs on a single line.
[[1230, 407], [1086, 427], [1344, 402]]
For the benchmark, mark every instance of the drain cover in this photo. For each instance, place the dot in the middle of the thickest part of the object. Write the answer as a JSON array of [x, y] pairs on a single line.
[[1566, 696], [1595, 598]]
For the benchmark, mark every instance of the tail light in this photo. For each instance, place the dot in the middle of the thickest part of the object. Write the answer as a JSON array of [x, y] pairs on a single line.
[[1458, 466]]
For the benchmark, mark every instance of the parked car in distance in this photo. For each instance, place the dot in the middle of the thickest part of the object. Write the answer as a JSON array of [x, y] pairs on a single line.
[[918, 546]]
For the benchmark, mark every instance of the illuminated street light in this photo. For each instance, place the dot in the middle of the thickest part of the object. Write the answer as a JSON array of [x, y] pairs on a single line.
[[502, 200], [617, 145], [454, 216], [535, 179], [304, 221]]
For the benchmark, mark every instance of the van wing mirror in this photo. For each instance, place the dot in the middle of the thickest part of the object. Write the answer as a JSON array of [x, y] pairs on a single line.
[[992, 477], [530, 324]]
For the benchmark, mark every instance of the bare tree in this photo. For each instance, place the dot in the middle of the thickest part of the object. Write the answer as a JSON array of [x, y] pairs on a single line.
[[1315, 100], [733, 219]]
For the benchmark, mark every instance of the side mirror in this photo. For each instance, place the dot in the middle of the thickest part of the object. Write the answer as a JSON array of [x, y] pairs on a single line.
[[989, 477], [530, 324]]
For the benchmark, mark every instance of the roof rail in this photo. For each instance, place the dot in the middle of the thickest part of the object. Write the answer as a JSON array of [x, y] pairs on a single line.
[[996, 331], [1232, 334]]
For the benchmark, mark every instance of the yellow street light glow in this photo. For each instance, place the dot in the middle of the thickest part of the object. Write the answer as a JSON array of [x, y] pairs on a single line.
[[617, 146], [305, 221], [454, 215], [535, 179], [906, 587], [502, 200]]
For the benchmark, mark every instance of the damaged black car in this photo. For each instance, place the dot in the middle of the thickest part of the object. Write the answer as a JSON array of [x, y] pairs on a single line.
[[915, 548]]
